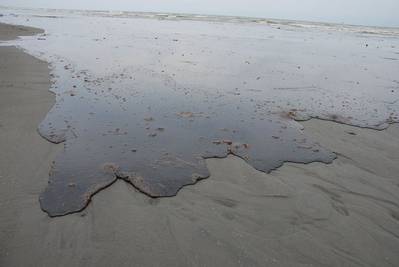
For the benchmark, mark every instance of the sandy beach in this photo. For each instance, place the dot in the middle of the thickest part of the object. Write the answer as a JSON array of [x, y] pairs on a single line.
[[341, 214]]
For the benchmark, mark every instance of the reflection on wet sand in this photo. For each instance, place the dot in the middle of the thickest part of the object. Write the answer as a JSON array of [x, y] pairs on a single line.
[[147, 101], [152, 141]]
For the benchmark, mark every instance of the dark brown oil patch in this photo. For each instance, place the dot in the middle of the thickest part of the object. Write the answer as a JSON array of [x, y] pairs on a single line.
[[133, 109], [155, 135]]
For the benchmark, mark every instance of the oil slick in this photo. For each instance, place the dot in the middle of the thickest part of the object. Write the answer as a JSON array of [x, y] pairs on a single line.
[[147, 100], [151, 141]]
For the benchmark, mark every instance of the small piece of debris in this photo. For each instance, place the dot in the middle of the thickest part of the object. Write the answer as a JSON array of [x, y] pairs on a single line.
[[228, 142], [185, 114]]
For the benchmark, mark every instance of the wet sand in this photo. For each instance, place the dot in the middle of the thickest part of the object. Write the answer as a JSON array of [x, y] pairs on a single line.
[[11, 32], [342, 214], [146, 100]]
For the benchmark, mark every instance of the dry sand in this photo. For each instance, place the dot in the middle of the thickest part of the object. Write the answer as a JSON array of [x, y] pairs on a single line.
[[342, 214]]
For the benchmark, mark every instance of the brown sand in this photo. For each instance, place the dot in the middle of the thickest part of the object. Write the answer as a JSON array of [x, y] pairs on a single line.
[[342, 214], [11, 32]]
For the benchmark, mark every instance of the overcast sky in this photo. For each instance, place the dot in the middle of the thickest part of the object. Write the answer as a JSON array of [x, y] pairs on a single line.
[[365, 12]]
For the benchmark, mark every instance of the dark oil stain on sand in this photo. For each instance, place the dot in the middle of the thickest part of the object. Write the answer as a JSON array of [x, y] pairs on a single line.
[[142, 127], [148, 101]]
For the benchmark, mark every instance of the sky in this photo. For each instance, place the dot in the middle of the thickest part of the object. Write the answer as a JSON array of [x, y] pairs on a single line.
[[362, 12]]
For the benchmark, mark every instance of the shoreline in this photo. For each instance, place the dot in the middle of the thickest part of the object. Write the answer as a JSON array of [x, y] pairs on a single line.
[[200, 16], [343, 213], [11, 32]]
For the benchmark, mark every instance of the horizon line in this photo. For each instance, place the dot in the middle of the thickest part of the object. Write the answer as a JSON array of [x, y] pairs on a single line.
[[202, 14]]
